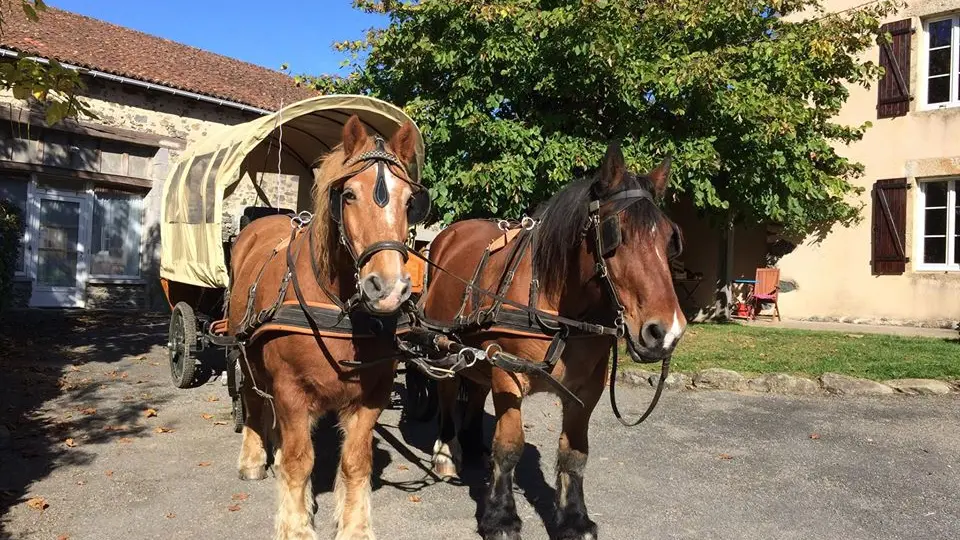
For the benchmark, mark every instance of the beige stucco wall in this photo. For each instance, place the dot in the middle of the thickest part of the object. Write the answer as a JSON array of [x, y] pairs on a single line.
[[834, 277]]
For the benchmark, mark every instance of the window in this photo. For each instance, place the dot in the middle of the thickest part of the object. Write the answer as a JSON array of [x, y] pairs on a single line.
[[14, 189], [942, 62], [938, 238], [115, 241]]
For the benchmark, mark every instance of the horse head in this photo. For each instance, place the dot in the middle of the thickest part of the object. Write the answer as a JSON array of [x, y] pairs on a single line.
[[371, 200]]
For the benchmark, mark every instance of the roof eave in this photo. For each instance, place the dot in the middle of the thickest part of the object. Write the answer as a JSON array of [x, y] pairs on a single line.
[[10, 53]]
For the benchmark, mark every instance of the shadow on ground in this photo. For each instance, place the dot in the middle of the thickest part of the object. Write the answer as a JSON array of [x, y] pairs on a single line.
[[58, 369]]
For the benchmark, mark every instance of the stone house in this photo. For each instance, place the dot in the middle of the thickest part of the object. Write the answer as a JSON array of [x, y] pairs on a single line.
[[901, 263], [90, 189]]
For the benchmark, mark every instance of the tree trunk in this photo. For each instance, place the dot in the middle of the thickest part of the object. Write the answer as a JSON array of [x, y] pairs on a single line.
[[724, 298]]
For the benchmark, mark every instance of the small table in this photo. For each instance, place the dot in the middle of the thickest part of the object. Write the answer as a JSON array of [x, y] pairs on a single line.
[[737, 307]]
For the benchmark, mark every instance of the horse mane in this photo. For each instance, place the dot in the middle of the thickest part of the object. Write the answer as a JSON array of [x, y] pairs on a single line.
[[564, 218], [333, 168]]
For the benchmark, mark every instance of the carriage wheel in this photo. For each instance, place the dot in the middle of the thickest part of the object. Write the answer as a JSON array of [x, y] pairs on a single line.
[[421, 399], [238, 409], [182, 344]]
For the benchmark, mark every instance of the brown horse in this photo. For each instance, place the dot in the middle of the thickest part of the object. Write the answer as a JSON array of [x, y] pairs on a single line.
[[565, 259], [363, 184]]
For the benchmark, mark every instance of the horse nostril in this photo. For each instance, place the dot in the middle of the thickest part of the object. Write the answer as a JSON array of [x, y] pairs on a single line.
[[372, 287], [653, 333], [405, 291]]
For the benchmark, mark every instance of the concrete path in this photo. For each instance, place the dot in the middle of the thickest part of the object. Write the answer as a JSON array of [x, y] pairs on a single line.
[[707, 465], [849, 328]]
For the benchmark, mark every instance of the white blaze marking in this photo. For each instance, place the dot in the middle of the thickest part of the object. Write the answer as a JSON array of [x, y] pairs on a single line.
[[391, 182], [674, 334]]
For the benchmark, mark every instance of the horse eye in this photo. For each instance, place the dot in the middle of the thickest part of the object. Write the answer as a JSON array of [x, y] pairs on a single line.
[[349, 195]]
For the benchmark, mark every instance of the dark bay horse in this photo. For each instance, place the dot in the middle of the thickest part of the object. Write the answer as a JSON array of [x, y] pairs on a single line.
[[635, 251], [364, 185]]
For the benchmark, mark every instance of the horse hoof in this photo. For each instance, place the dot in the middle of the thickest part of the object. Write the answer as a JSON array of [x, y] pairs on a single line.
[[581, 528], [253, 473], [445, 469], [298, 534], [503, 535]]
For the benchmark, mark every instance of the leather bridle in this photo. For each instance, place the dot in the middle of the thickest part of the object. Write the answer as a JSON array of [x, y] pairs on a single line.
[[417, 210]]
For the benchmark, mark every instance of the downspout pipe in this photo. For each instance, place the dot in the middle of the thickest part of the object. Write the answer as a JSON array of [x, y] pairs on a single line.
[[7, 53]]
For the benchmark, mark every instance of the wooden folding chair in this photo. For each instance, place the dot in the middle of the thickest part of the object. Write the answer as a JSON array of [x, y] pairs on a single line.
[[766, 290]]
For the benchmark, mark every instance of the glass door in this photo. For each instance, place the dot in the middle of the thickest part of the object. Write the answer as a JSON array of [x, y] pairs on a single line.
[[58, 245]]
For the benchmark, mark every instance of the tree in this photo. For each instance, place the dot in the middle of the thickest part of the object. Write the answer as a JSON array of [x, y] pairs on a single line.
[[516, 96], [49, 83]]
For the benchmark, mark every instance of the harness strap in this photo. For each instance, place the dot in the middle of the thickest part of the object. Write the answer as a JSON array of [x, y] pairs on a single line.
[[664, 372], [566, 321]]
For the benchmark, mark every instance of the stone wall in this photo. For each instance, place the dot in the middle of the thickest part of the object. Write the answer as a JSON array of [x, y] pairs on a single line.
[[22, 289], [116, 296], [160, 113]]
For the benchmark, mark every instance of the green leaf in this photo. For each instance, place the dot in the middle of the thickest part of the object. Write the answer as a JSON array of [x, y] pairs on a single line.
[[31, 13]]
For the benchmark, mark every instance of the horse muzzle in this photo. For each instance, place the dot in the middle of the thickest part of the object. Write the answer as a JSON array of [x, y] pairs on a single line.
[[383, 297]]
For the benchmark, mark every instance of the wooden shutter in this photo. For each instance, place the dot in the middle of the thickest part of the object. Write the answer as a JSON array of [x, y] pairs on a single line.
[[893, 90], [889, 227]]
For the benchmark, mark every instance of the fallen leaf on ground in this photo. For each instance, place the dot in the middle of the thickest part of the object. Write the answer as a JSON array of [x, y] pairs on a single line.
[[240, 496], [403, 467], [74, 368], [63, 537], [814, 436], [88, 410], [415, 498], [233, 507], [219, 423], [124, 440], [206, 416], [211, 399], [80, 482], [150, 413], [725, 456], [114, 428], [38, 503], [161, 429], [204, 464], [71, 443], [171, 515], [109, 473]]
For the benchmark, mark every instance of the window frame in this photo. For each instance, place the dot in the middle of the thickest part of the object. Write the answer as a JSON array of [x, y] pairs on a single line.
[[139, 228], [924, 64], [919, 223], [23, 270]]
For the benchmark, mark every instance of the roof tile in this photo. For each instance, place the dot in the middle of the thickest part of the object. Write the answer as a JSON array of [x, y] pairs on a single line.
[[102, 46]]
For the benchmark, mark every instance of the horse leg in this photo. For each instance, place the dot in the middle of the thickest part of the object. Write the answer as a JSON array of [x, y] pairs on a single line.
[[573, 523], [499, 519], [295, 463], [470, 435], [352, 487], [252, 462], [446, 450]]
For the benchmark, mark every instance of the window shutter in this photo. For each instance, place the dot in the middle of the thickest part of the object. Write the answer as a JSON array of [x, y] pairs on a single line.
[[893, 89], [889, 227]]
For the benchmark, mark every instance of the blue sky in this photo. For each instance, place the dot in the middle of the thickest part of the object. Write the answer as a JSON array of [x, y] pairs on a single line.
[[298, 33]]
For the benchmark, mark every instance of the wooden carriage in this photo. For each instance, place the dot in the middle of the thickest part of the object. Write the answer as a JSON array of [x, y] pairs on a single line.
[[216, 187]]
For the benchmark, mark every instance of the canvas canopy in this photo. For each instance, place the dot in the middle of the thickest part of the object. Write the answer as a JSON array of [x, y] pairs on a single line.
[[191, 213]]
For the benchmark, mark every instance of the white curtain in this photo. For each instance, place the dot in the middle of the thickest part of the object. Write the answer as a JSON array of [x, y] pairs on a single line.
[[115, 245]]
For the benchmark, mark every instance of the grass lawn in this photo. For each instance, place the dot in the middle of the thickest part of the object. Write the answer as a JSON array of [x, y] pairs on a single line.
[[755, 350]]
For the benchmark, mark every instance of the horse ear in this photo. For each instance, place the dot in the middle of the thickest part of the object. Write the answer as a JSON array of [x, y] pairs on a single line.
[[404, 143], [660, 176], [354, 137], [613, 168]]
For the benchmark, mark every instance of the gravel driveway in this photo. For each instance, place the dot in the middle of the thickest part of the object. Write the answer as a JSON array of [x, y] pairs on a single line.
[[82, 456]]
